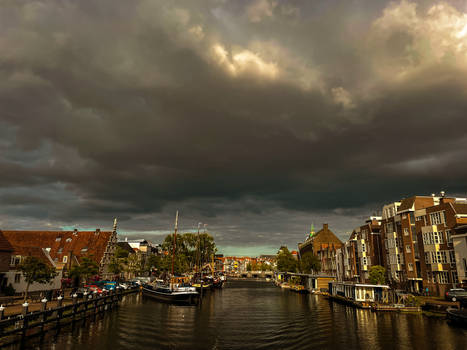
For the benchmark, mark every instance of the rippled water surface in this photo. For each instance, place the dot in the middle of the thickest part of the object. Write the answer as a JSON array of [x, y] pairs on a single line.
[[256, 315]]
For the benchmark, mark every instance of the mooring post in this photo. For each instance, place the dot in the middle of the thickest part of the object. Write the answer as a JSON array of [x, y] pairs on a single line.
[[75, 300], [59, 311], [2, 312], [25, 319], [44, 313]]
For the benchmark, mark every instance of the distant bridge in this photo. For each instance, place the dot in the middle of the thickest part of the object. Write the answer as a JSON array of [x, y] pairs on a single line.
[[255, 274]]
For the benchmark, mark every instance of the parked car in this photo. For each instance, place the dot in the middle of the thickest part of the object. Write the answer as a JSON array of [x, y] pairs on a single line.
[[93, 288], [124, 286], [456, 294]]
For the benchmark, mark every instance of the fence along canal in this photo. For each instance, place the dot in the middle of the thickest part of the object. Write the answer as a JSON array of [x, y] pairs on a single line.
[[18, 328]]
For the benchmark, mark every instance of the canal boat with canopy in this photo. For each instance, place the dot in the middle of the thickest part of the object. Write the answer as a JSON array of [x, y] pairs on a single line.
[[178, 290]]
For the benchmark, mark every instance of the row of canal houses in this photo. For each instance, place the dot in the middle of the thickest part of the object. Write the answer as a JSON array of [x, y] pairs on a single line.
[[421, 241]]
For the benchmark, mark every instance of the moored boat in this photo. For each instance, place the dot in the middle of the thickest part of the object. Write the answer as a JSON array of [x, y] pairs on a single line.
[[172, 293], [457, 316], [297, 288]]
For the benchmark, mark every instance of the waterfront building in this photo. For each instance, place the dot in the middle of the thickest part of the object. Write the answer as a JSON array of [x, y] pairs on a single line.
[[16, 278], [322, 244], [67, 248], [459, 240], [6, 251], [435, 227]]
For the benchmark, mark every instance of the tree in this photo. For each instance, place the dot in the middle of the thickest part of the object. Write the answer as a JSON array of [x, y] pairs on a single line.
[[309, 263], [121, 253], [248, 267], [36, 271], [84, 270], [115, 267], [285, 261], [377, 274]]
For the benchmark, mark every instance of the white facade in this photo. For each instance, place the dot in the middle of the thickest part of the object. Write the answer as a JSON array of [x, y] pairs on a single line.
[[18, 282]]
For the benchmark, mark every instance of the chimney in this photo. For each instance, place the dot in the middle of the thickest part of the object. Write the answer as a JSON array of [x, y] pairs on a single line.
[[442, 193], [325, 226], [75, 232], [98, 230]]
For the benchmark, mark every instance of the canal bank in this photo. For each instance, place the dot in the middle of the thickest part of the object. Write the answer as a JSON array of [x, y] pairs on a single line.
[[255, 315]]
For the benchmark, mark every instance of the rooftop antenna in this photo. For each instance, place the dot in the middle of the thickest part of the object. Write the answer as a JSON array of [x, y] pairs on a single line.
[[175, 241]]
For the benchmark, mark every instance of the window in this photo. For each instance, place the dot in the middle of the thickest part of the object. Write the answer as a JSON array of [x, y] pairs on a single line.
[[65, 259], [84, 250], [60, 250], [443, 277], [58, 239], [454, 277], [68, 240], [448, 237], [406, 231], [418, 218], [427, 258], [410, 265], [437, 237], [452, 256], [18, 278], [408, 249], [437, 218]]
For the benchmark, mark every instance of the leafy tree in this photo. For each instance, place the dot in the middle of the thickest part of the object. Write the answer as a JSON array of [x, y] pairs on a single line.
[[285, 261], [191, 250], [84, 270], [309, 263], [121, 253], [377, 274], [115, 267], [36, 271], [248, 267]]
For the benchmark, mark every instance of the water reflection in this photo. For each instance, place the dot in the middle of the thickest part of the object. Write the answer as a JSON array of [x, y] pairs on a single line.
[[256, 315]]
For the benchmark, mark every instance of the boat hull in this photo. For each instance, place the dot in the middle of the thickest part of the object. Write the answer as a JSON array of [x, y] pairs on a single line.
[[186, 298]]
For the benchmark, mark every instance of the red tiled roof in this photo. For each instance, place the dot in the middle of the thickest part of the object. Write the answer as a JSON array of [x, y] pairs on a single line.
[[34, 252], [61, 243], [5, 246]]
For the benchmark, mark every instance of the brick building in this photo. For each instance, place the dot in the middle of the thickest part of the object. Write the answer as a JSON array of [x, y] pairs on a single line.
[[67, 248], [323, 244]]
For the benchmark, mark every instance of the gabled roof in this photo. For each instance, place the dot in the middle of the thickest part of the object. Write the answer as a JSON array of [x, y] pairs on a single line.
[[5, 246], [80, 243], [36, 252]]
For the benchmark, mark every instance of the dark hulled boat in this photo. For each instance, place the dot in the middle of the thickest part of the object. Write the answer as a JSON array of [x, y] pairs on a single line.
[[174, 294]]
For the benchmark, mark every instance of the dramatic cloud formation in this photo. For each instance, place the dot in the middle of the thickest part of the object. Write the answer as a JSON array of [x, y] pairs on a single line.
[[257, 117]]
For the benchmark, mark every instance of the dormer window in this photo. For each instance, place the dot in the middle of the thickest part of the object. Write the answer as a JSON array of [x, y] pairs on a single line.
[[58, 239], [68, 240], [84, 250]]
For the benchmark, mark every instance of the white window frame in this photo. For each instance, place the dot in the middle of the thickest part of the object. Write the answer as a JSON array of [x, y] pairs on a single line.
[[437, 218], [408, 249]]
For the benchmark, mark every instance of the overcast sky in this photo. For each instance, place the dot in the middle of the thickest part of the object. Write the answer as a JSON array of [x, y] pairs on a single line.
[[257, 118]]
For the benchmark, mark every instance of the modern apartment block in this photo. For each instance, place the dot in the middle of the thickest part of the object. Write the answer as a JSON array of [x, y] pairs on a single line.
[[420, 240], [435, 228]]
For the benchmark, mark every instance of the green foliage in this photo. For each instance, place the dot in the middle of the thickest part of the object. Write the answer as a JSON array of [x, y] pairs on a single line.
[[36, 271], [121, 253], [86, 269], [309, 263], [191, 250], [377, 274], [115, 266], [285, 261]]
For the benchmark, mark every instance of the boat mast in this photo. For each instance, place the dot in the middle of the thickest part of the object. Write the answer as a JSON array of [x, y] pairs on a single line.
[[174, 242]]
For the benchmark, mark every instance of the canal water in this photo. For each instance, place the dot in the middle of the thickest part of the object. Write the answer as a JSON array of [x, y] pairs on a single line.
[[255, 315]]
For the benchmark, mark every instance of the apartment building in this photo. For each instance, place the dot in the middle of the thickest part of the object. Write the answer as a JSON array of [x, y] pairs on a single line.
[[436, 225]]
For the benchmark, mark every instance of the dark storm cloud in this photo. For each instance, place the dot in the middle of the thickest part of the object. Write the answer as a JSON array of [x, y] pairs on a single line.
[[226, 109]]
